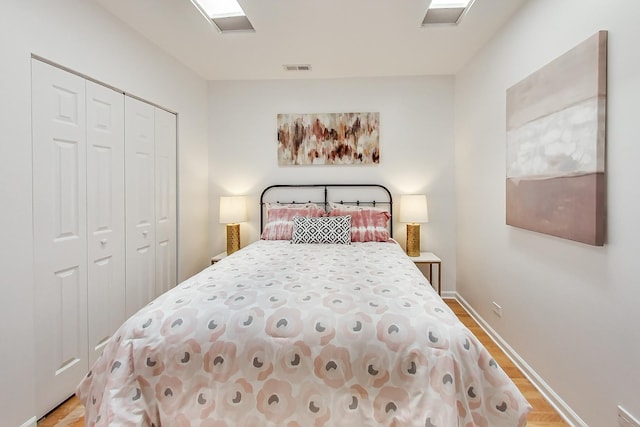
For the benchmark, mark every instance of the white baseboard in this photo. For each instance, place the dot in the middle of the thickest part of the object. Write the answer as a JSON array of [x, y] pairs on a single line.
[[547, 392], [31, 422], [449, 295]]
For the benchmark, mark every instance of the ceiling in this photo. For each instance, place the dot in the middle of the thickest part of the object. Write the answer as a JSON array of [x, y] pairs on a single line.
[[338, 38]]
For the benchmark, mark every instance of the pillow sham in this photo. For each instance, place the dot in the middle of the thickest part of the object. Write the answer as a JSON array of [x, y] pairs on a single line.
[[341, 206], [331, 230], [279, 224], [367, 224]]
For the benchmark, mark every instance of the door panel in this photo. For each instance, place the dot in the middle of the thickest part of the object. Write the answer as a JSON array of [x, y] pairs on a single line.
[[66, 175], [59, 223], [105, 214], [140, 204], [68, 287]]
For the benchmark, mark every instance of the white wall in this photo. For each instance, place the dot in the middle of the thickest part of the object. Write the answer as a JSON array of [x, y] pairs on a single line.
[[80, 35], [570, 310], [416, 147]]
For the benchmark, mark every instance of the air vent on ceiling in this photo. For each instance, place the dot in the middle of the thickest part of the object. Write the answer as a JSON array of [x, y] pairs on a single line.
[[231, 24], [445, 15], [297, 67]]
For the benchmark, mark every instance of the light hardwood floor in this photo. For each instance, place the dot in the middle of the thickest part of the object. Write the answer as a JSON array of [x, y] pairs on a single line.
[[542, 414], [69, 414]]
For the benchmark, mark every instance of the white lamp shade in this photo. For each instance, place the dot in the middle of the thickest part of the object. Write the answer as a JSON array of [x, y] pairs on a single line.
[[413, 208], [233, 209]]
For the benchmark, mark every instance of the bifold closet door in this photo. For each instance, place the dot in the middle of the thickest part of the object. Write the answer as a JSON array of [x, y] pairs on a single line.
[[78, 205], [60, 232], [150, 173], [140, 172], [105, 215], [166, 221], [104, 219]]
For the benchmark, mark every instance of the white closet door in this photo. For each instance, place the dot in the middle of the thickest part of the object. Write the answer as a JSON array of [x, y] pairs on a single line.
[[140, 204], [59, 222], [105, 214], [166, 275]]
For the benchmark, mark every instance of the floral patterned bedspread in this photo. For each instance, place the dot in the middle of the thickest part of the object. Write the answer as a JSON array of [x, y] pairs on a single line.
[[279, 334]]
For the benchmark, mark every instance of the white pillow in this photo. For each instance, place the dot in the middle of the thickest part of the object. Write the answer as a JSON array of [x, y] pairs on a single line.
[[362, 207]]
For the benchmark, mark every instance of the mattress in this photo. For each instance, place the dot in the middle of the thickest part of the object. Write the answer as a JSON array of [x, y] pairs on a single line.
[[279, 334]]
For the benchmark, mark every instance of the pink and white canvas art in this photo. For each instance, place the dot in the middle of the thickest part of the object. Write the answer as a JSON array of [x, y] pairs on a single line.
[[556, 146], [329, 139]]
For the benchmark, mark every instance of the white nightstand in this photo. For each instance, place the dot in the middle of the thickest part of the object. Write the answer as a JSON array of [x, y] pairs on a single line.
[[219, 257], [430, 258]]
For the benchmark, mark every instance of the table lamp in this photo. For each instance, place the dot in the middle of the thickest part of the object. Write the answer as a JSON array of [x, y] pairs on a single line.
[[413, 211], [233, 210]]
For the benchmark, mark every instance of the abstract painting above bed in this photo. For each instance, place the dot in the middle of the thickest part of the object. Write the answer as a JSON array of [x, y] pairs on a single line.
[[278, 334], [329, 139]]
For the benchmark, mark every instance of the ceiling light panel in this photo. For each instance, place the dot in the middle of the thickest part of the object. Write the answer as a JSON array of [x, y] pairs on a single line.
[[439, 4], [220, 8], [442, 15], [230, 24], [226, 15], [448, 12]]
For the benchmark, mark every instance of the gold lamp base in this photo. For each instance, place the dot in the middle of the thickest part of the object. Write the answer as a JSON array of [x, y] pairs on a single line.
[[233, 238], [413, 239]]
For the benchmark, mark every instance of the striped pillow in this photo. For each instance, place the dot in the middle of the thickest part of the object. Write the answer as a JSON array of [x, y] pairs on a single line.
[[367, 224]]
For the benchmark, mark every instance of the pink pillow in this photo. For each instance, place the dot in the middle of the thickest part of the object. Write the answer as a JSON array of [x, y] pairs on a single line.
[[279, 224], [367, 224]]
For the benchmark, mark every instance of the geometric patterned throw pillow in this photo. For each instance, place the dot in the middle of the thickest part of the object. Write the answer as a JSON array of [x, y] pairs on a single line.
[[334, 230]]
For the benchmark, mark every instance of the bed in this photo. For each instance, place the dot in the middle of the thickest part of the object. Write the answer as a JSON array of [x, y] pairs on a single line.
[[313, 330]]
